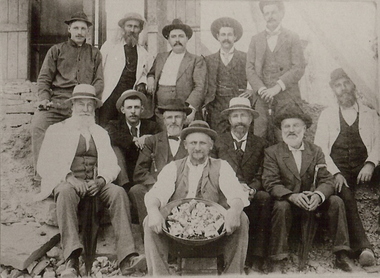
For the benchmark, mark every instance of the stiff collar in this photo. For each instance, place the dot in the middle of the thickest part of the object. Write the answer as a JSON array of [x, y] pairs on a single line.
[[238, 140], [275, 32], [299, 149], [232, 50]]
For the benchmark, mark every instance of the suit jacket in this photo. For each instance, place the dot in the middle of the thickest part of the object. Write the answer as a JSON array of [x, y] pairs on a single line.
[[114, 63], [281, 176], [155, 155], [238, 65], [121, 137], [58, 151], [252, 161], [289, 56], [328, 130], [191, 77]]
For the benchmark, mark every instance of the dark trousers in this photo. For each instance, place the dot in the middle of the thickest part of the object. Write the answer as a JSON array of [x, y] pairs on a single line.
[[259, 215], [283, 214]]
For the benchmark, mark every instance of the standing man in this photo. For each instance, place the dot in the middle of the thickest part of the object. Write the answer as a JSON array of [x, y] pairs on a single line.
[[159, 150], [178, 73], [128, 134], [289, 172], [245, 153], [226, 72], [197, 175], [275, 64], [350, 139], [66, 65], [126, 64], [76, 161]]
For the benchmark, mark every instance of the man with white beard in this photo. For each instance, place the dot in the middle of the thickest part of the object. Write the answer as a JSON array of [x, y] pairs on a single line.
[[76, 161]]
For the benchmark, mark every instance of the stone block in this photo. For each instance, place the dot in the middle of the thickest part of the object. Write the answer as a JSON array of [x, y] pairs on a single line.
[[199, 266]]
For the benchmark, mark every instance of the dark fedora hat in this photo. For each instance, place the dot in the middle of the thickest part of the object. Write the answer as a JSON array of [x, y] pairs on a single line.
[[131, 16], [227, 22], [291, 114], [85, 91], [177, 24], [130, 94], [198, 126], [79, 16], [279, 4], [337, 74], [175, 105]]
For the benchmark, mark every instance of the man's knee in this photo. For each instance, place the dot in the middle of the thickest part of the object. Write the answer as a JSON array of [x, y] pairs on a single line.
[[138, 190], [335, 202], [281, 207], [64, 191], [116, 192]]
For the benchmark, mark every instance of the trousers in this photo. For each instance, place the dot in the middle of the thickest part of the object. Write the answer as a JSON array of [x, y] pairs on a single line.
[[115, 200], [234, 250]]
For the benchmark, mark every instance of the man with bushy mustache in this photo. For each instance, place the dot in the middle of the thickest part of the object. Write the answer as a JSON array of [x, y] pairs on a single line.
[[76, 162], [126, 64], [349, 136], [225, 72]]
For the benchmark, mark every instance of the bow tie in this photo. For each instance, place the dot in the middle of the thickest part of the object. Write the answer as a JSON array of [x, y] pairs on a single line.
[[171, 137]]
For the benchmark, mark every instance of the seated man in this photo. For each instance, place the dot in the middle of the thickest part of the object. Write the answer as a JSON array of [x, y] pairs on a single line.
[[289, 168], [349, 137], [245, 153], [77, 160], [197, 175], [159, 150], [128, 134]]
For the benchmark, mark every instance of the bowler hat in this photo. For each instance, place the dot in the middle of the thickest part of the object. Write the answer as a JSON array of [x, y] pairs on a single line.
[[337, 74], [79, 16], [293, 115], [227, 22], [198, 126], [129, 94], [240, 103], [175, 105], [279, 4], [87, 91], [131, 16], [177, 24]]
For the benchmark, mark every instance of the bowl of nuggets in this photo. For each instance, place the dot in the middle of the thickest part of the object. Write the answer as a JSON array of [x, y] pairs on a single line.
[[194, 221]]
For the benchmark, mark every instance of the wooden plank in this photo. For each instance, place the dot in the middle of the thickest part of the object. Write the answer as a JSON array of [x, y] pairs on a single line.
[[23, 11], [4, 54], [191, 13], [14, 27], [12, 55], [3, 12], [180, 11], [13, 11], [22, 59]]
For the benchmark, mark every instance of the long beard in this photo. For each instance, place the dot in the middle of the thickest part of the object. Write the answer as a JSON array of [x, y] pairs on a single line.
[[347, 99], [84, 122], [131, 39]]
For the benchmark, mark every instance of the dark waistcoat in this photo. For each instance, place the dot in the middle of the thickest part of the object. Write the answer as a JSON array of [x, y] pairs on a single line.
[[84, 160], [271, 68], [231, 78]]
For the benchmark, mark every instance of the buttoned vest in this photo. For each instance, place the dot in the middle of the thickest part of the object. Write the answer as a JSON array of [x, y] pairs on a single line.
[[208, 186], [231, 78], [84, 160], [271, 69]]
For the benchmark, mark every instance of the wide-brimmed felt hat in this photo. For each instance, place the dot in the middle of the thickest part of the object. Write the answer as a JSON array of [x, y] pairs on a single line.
[[337, 74], [198, 126], [131, 16], [240, 103], [293, 115], [85, 91], [129, 94], [227, 22], [175, 105], [177, 24], [79, 16], [279, 4]]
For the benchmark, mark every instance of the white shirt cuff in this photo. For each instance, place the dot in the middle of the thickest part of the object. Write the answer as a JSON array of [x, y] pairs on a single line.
[[282, 84], [320, 195]]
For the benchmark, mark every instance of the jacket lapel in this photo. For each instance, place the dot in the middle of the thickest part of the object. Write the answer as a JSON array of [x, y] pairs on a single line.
[[185, 63], [231, 149], [248, 150], [261, 48], [289, 161], [307, 158], [282, 37], [163, 147], [213, 67], [161, 64]]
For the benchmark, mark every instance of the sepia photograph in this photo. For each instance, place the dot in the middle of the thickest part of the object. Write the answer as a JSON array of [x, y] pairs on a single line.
[[189, 137]]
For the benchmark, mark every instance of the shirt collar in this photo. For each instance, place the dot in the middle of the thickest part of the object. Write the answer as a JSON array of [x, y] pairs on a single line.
[[173, 54], [354, 107], [73, 43], [138, 126], [238, 140], [299, 149], [188, 162], [275, 31], [231, 51]]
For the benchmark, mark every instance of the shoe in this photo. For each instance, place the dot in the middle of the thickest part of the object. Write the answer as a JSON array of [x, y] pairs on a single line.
[[132, 263], [71, 268], [344, 262], [367, 258], [277, 266], [257, 264]]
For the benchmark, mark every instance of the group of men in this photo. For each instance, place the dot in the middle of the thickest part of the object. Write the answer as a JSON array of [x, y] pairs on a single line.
[[186, 126]]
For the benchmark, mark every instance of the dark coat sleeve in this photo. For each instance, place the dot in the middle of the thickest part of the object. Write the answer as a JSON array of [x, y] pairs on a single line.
[[144, 164], [119, 135]]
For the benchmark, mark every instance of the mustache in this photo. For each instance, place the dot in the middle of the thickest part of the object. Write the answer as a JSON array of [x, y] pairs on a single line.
[[227, 40], [291, 133], [178, 43]]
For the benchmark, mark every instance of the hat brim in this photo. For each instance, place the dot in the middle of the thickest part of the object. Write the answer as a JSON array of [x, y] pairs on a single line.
[[254, 113], [99, 103], [168, 28], [123, 20], [218, 23], [304, 117], [187, 110], [123, 97], [189, 130], [89, 23]]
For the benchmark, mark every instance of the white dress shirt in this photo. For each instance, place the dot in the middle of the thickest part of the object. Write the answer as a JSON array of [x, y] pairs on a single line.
[[164, 188], [138, 129], [244, 139], [174, 146], [350, 114], [170, 69], [226, 57]]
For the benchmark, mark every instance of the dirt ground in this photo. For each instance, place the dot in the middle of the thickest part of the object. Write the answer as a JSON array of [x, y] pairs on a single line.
[[18, 189]]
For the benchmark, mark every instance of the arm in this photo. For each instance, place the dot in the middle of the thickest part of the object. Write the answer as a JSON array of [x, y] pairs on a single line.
[[98, 79], [197, 94], [151, 83], [47, 74], [142, 173], [251, 67], [119, 136]]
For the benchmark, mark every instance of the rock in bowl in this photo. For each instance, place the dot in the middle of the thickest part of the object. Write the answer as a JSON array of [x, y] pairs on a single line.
[[194, 221]]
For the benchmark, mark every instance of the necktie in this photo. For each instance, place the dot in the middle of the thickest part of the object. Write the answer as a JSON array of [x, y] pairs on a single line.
[[134, 131], [171, 137], [239, 151]]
